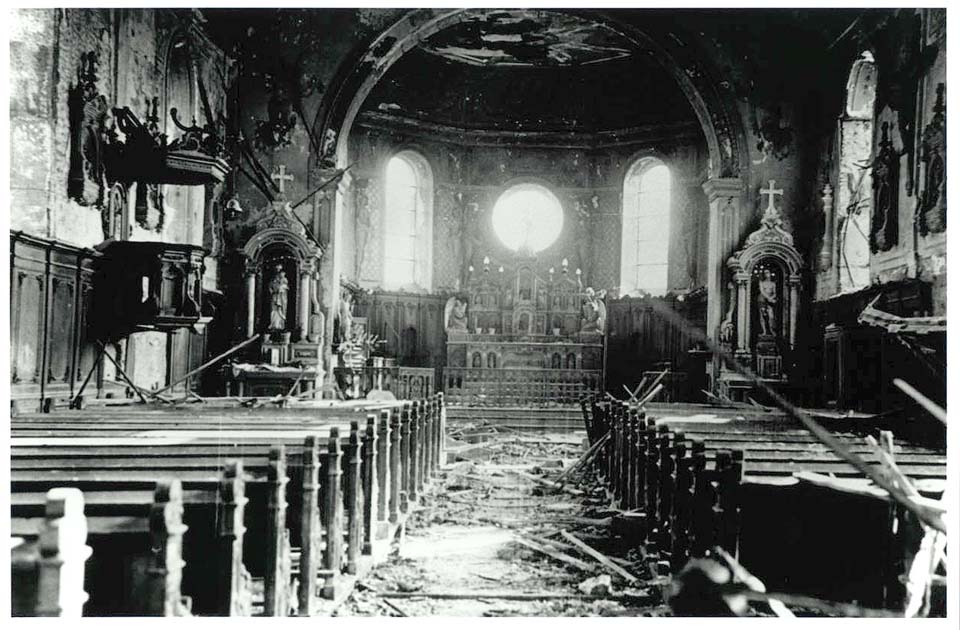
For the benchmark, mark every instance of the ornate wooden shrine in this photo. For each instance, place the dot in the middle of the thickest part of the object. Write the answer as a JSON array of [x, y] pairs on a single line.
[[515, 337], [283, 303], [760, 326]]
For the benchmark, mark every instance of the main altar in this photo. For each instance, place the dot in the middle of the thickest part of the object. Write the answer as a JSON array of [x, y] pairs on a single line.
[[519, 337]]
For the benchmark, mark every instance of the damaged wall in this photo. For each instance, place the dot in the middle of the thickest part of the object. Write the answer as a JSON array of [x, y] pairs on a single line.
[[131, 48], [469, 178]]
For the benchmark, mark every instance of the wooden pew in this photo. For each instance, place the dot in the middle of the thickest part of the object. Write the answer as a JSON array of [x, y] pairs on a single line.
[[201, 440], [690, 506], [47, 561]]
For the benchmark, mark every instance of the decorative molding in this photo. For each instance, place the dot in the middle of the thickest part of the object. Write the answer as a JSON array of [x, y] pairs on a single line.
[[439, 132]]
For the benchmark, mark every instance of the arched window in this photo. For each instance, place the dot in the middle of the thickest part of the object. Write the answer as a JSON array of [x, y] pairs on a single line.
[[646, 228], [528, 218], [408, 223], [854, 202]]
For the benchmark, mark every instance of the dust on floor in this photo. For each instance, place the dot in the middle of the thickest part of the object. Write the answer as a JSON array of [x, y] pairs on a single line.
[[460, 556]]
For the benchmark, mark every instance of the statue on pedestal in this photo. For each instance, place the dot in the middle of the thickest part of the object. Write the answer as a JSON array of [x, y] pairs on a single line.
[[594, 312], [455, 314], [279, 287], [767, 302]]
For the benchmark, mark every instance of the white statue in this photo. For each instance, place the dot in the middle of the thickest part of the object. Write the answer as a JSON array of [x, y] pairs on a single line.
[[594, 312], [455, 314], [767, 301], [278, 299]]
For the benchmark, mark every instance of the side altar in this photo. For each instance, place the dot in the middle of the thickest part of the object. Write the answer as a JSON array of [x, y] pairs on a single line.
[[515, 337], [283, 306], [764, 292]]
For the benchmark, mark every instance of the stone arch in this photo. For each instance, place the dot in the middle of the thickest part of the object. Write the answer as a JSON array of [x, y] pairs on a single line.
[[716, 111]]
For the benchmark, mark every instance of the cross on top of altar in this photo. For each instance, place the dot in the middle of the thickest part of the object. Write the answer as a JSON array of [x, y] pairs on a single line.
[[281, 176], [771, 193]]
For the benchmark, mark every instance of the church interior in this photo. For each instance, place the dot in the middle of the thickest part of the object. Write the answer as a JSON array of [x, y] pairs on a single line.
[[316, 277]]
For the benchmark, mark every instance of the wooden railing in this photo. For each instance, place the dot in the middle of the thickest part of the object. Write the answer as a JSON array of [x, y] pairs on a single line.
[[518, 386]]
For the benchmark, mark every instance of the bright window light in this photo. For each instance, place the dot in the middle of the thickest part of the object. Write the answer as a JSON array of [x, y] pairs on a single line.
[[528, 217]]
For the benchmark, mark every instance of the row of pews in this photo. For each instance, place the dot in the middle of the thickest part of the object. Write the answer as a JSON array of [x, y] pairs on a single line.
[[211, 508], [763, 488]]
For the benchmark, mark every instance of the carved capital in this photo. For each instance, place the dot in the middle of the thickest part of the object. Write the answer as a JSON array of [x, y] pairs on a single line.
[[720, 187]]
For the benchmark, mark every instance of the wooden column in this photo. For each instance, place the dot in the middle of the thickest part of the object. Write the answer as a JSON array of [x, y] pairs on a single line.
[[396, 463], [164, 577], [405, 450], [413, 483], [352, 499], [332, 514], [371, 500], [309, 526], [234, 598], [383, 467], [276, 579], [702, 500], [442, 430], [63, 555], [683, 504]]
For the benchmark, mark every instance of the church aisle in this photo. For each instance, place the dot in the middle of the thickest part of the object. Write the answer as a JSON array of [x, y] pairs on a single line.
[[462, 545]]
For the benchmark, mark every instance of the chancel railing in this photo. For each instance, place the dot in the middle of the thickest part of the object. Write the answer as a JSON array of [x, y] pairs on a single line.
[[406, 383], [518, 386]]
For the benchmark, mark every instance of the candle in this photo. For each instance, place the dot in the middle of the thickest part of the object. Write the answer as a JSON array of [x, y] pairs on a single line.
[[564, 262], [551, 271], [501, 269], [578, 271], [486, 260]]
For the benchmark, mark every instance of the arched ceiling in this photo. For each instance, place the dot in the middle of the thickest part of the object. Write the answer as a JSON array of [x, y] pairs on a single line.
[[606, 94]]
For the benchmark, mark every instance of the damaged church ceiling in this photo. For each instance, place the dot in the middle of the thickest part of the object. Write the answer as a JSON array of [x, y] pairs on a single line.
[[528, 38]]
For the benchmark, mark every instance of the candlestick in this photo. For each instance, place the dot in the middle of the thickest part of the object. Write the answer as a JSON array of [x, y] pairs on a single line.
[[501, 269]]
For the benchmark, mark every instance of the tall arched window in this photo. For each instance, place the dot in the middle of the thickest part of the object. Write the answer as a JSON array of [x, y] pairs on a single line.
[[855, 186], [646, 228], [408, 223]]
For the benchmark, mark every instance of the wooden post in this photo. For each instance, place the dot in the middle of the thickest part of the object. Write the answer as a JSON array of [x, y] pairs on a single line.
[[410, 419], [626, 444], [442, 429], [309, 526], [396, 463], [371, 501], [234, 586], [680, 490], [332, 515], [162, 596], [702, 499], [63, 554], [653, 478], [723, 461], [642, 463], [424, 454], [668, 482], [405, 450], [276, 579], [383, 467], [730, 479], [352, 499]]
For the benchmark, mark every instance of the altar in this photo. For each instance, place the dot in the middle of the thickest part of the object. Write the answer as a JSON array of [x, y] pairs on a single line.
[[516, 337], [282, 262], [763, 298]]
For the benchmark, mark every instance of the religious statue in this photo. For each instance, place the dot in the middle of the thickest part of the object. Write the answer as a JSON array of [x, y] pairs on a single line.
[[767, 302], [346, 316], [317, 319], [594, 312], [278, 299], [455, 314]]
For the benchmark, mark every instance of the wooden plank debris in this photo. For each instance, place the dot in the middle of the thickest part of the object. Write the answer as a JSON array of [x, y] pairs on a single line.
[[599, 557]]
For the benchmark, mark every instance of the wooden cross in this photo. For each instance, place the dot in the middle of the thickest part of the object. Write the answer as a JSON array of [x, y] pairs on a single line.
[[281, 177], [771, 193]]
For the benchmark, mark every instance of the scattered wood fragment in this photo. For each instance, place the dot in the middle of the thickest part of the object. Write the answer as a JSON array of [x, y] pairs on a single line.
[[556, 555], [932, 408], [390, 605], [584, 459], [599, 557], [505, 595]]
